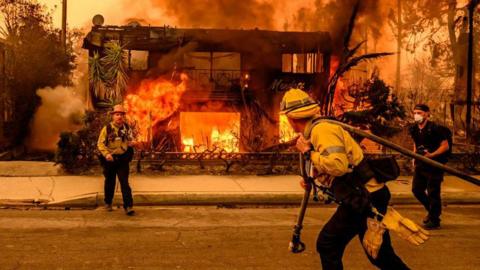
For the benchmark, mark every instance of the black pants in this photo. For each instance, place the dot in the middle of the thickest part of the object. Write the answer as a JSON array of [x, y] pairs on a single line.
[[431, 183], [111, 169], [346, 224]]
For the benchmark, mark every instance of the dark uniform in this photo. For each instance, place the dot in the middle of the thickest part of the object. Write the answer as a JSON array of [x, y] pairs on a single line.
[[428, 178]]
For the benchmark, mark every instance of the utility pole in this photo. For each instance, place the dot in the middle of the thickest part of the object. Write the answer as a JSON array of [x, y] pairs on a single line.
[[399, 45], [64, 24], [471, 10]]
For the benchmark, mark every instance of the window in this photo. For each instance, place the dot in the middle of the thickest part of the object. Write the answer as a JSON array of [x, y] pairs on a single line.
[[302, 63], [221, 69]]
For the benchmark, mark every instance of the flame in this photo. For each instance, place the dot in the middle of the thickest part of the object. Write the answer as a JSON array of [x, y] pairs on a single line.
[[339, 101], [153, 101], [201, 131], [334, 63], [286, 131], [224, 140], [188, 144]]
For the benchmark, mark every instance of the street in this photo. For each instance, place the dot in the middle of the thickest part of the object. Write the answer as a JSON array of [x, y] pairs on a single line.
[[210, 238]]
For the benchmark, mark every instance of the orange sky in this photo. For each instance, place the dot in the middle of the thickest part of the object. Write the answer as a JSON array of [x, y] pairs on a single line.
[[81, 12], [115, 12]]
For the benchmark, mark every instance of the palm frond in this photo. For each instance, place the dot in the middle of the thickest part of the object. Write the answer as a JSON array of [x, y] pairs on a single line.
[[342, 69], [115, 65], [351, 26], [354, 50], [96, 75], [357, 60], [95, 68]]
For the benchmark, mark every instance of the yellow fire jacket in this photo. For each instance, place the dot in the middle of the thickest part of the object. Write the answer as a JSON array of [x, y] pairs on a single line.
[[335, 151], [113, 145]]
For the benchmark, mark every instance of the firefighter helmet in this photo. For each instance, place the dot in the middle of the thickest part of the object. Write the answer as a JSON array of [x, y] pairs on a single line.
[[298, 104]]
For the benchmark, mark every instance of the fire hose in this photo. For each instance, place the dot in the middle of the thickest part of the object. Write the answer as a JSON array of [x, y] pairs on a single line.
[[296, 245], [406, 152]]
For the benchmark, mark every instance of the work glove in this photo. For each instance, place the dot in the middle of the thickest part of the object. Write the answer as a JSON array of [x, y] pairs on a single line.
[[373, 238], [404, 227]]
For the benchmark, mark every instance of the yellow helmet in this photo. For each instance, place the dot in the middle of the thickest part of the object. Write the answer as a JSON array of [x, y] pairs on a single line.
[[298, 104]]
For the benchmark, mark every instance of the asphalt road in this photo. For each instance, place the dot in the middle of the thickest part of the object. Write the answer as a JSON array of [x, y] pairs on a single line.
[[210, 238]]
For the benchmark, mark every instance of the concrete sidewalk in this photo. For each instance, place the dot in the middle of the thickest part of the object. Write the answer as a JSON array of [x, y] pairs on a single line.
[[87, 191]]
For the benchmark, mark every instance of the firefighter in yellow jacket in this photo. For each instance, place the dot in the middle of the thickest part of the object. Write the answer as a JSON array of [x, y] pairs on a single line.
[[335, 156], [115, 146]]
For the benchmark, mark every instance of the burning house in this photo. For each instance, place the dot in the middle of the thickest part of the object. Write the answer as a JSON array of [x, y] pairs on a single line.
[[191, 90]]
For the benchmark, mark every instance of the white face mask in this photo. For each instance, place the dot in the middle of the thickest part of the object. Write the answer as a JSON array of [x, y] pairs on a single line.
[[418, 118]]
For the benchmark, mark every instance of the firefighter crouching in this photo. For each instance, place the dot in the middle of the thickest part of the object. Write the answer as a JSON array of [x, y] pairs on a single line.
[[115, 145], [338, 163]]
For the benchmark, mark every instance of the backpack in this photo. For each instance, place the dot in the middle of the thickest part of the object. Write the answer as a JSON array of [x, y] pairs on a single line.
[[384, 169]]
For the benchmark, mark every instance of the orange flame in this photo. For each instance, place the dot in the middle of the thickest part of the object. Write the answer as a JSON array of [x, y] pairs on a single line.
[[339, 98], [188, 145], [153, 101], [334, 63], [286, 131], [203, 131]]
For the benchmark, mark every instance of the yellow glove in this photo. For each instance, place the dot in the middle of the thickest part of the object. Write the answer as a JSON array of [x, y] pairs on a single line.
[[373, 238], [404, 227]]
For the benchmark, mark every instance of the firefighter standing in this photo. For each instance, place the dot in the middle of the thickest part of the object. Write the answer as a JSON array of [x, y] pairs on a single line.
[[334, 154], [115, 145]]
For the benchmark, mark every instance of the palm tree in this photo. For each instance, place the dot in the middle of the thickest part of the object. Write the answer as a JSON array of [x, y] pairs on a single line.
[[115, 67]]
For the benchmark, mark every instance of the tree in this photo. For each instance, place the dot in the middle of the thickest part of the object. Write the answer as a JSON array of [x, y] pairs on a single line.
[[374, 107], [37, 58], [438, 28], [348, 59]]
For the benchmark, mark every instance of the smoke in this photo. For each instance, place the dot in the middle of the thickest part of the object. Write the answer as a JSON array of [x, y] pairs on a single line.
[[61, 110], [207, 13], [221, 13], [334, 16], [302, 15]]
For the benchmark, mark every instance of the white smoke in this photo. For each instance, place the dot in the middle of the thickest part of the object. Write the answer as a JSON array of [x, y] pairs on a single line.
[[61, 109]]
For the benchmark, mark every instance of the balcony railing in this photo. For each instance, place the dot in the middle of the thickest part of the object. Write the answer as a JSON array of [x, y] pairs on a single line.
[[217, 77], [218, 84]]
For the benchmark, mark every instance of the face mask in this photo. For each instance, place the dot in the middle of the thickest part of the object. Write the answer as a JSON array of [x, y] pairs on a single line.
[[418, 118]]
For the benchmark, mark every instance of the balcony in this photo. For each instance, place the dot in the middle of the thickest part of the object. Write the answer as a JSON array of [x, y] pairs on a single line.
[[219, 84]]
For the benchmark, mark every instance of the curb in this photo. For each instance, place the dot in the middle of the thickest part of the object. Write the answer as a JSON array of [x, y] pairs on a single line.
[[219, 199]]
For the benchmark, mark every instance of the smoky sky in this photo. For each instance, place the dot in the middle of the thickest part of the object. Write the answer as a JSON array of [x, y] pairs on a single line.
[[316, 15]]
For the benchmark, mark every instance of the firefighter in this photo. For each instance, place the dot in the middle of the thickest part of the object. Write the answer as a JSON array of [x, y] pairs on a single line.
[[116, 148], [339, 164]]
